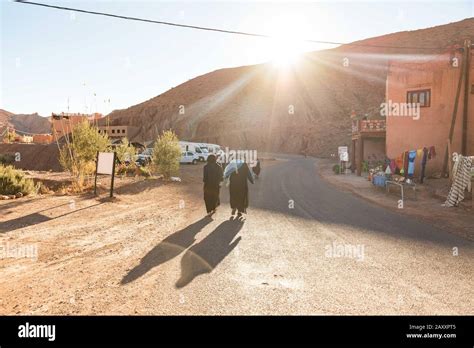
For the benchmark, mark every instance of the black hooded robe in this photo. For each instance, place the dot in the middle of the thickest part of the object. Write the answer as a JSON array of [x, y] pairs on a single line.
[[257, 168], [239, 190], [212, 178]]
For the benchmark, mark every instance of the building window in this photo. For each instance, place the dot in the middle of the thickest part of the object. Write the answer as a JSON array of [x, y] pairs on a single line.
[[113, 131], [123, 131], [422, 97]]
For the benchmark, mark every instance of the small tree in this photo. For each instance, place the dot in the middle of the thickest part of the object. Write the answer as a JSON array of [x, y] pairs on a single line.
[[9, 137], [14, 181], [125, 151], [78, 156], [167, 153]]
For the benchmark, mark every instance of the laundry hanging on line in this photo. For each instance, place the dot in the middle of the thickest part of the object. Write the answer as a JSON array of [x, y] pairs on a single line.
[[461, 180], [405, 163]]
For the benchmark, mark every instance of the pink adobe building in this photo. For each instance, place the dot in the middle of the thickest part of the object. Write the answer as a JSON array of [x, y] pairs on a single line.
[[63, 123], [432, 82]]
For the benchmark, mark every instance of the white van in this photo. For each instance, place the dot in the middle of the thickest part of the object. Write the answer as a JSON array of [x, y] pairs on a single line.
[[200, 151], [213, 148]]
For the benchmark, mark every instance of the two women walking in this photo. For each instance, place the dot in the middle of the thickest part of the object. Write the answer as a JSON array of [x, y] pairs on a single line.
[[237, 174]]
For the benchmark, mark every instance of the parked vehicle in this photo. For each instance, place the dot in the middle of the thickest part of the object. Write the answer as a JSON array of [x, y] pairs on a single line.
[[213, 148], [145, 157], [197, 148], [189, 157]]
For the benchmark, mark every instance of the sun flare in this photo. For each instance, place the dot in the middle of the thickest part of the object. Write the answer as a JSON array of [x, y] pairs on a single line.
[[285, 54], [287, 43]]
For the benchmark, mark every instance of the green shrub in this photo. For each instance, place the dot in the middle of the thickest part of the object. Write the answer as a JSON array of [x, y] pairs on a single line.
[[9, 137], [336, 168], [166, 154], [144, 171], [7, 158], [365, 167], [125, 151], [13, 181], [79, 155], [126, 169]]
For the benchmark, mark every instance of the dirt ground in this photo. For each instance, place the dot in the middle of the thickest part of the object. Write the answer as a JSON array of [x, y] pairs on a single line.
[[86, 238], [84, 234]]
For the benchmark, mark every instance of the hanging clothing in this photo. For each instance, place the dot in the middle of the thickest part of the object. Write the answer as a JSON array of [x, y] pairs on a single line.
[[419, 153], [411, 163], [393, 166], [212, 177], [402, 168], [461, 180], [405, 164], [423, 164], [399, 163]]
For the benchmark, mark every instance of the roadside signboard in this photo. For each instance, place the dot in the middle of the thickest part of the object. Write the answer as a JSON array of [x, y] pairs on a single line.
[[343, 152], [105, 164], [342, 149]]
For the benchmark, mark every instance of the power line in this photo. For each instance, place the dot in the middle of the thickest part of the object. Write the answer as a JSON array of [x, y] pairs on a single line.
[[12, 127], [214, 29], [26, 133]]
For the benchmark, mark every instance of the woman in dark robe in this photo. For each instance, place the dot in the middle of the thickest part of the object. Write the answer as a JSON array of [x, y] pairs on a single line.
[[239, 190], [212, 178], [256, 169]]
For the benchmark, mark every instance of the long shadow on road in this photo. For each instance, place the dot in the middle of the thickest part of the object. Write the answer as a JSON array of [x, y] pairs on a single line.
[[200, 258], [207, 254], [167, 249], [38, 218]]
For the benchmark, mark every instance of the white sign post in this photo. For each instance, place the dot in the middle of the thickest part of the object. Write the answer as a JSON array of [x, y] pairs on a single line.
[[343, 152], [342, 149], [105, 164]]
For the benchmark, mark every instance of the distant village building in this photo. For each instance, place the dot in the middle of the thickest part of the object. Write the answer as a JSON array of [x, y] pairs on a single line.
[[23, 138], [43, 138], [63, 123], [95, 116], [431, 82], [118, 132]]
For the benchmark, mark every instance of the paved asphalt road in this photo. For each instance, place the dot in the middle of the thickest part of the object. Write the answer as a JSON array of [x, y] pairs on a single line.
[[286, 257], [307, 248]]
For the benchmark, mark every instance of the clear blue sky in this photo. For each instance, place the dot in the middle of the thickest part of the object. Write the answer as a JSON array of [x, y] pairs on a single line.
[[48, 55]]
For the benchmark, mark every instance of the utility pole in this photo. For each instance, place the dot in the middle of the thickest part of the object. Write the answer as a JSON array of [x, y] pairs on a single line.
[[462, 74], [467, 55]]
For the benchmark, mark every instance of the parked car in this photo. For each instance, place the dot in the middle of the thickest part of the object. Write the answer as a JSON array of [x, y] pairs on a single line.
[[145, 157], [189, 157]]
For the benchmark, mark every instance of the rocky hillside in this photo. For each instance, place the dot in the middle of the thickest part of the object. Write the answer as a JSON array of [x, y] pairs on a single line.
[[4, 119], [32, 123], [306, 107]]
